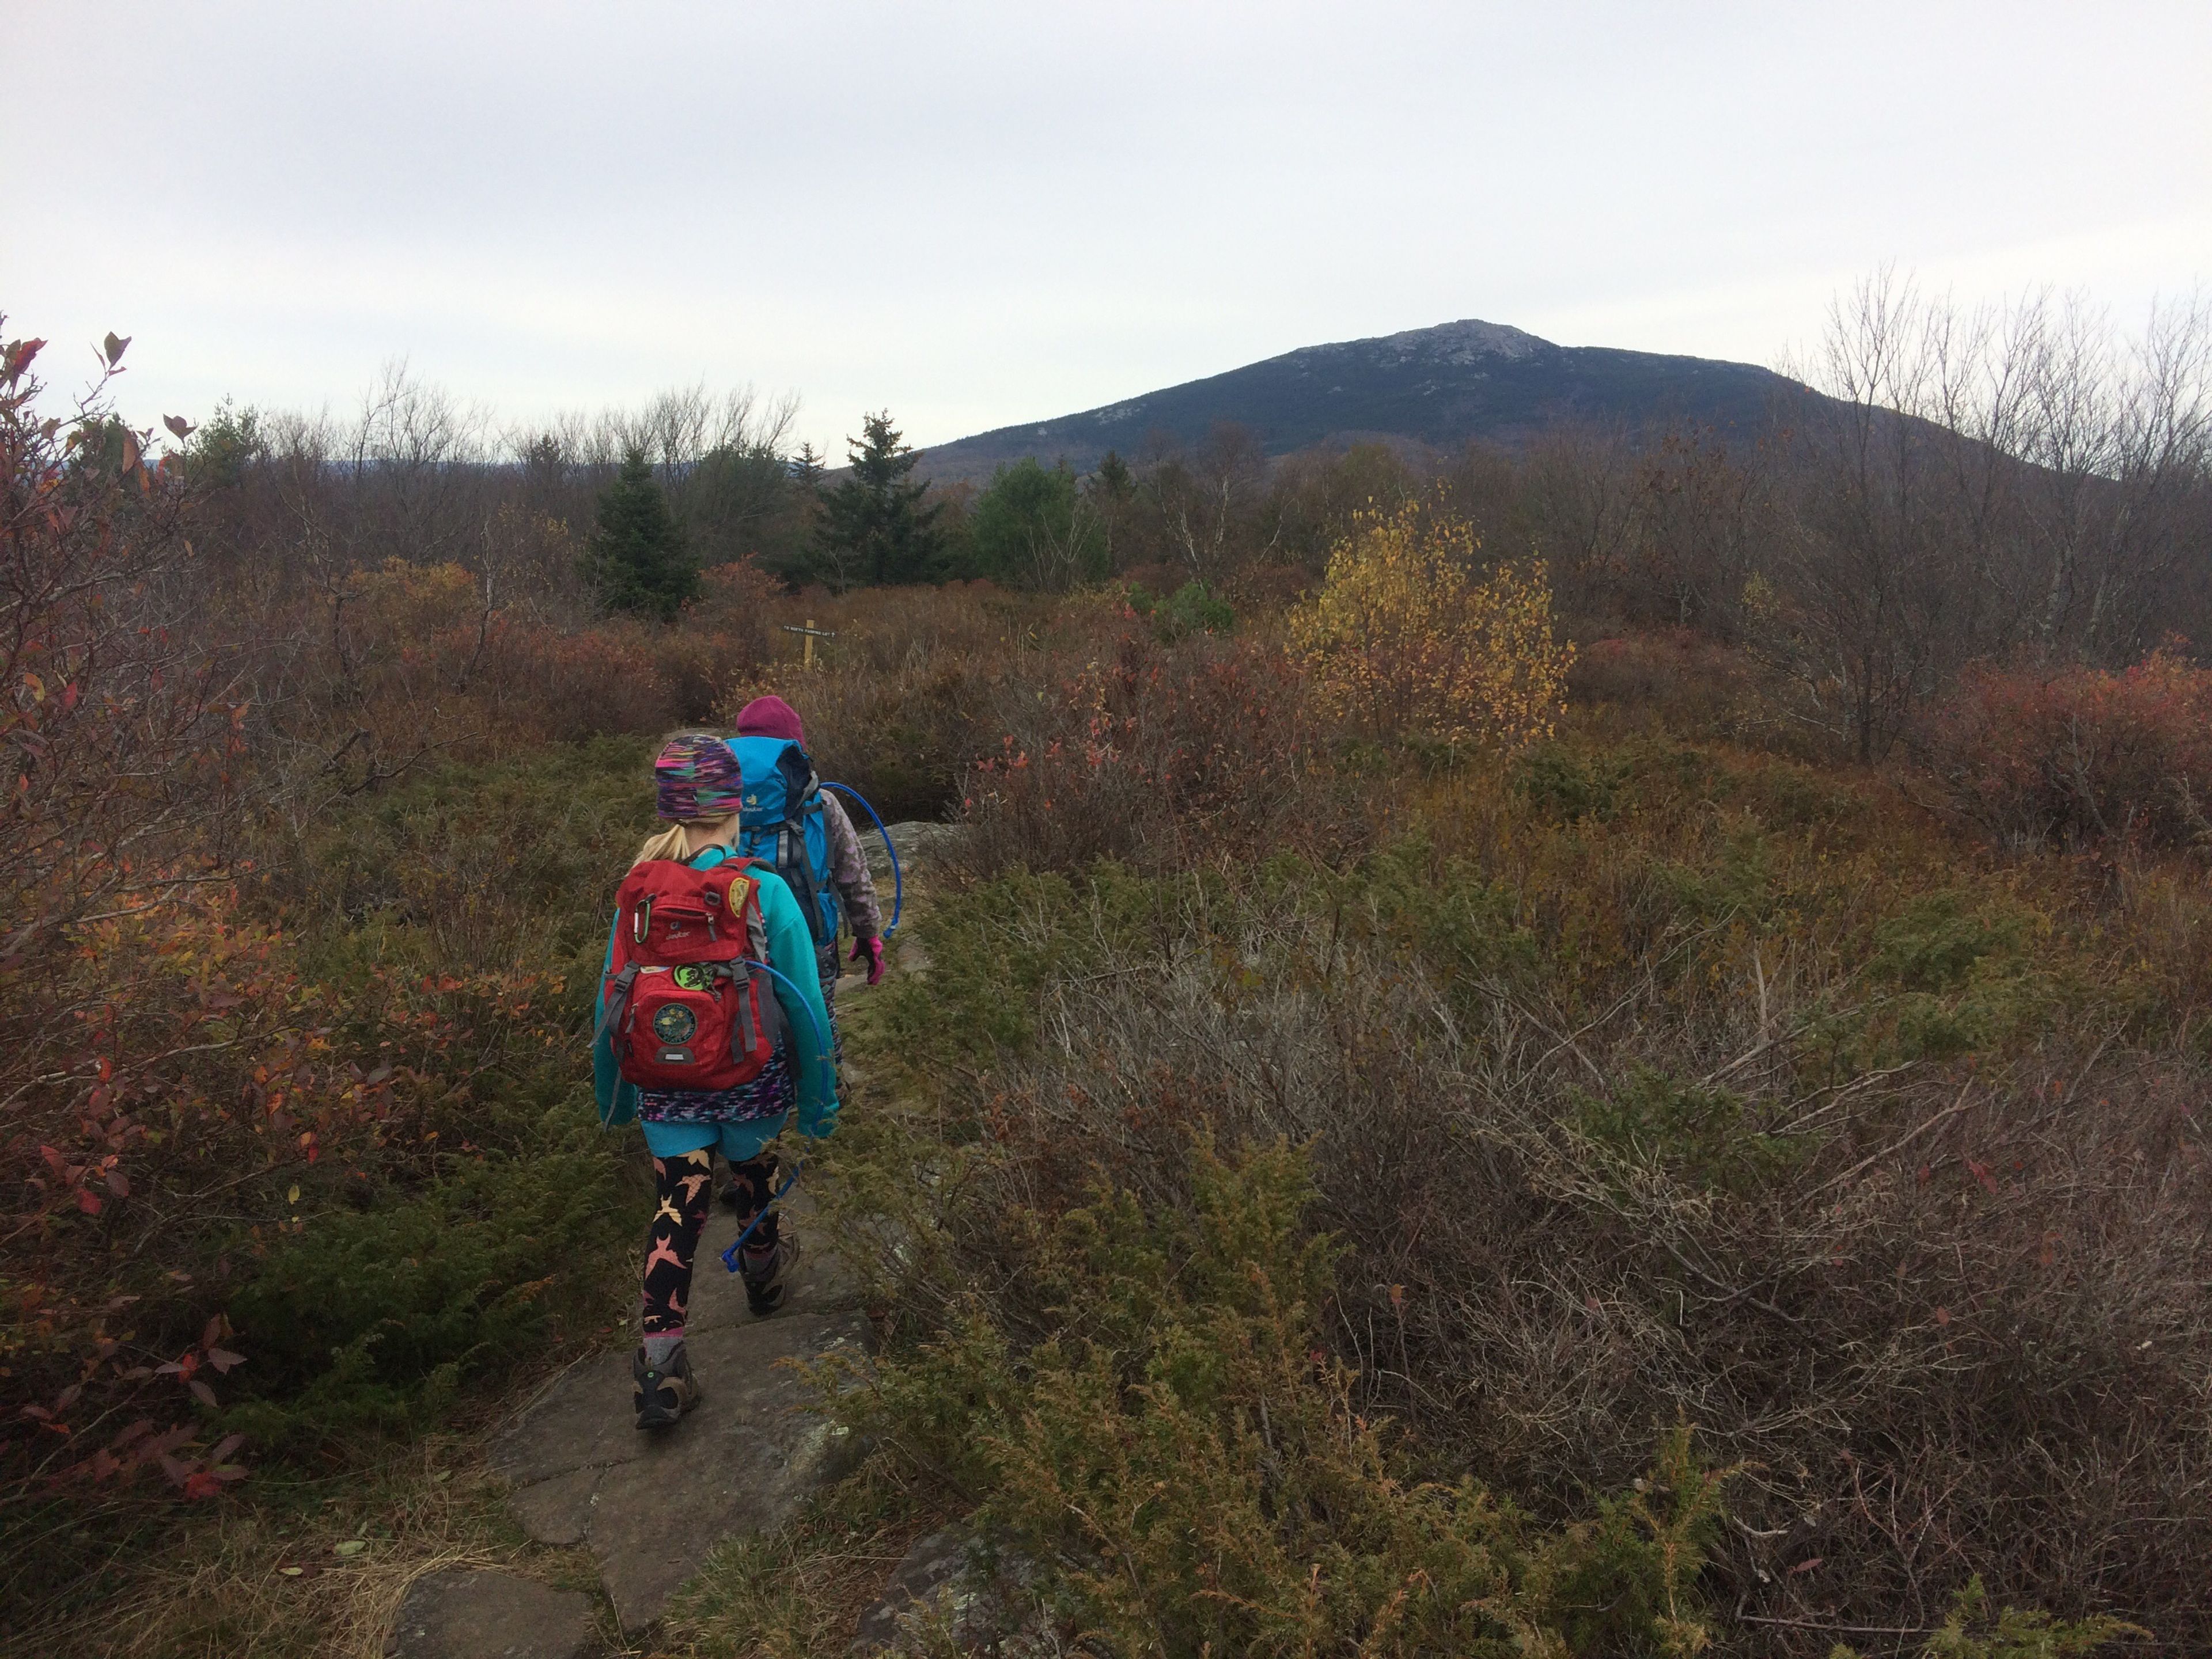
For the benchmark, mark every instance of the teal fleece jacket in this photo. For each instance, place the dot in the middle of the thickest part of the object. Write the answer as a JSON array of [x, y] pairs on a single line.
[[798, 988]]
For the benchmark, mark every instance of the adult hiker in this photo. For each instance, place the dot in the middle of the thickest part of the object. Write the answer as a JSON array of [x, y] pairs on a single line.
[[792, 822], [710, 1030]]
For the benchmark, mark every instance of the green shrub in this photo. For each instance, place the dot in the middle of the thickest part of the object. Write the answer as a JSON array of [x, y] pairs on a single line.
[[1938, 940], [376, 1316], [1194, 607], [1464, 921], [1189, 1471], [1710, 1138], [1969, 1632], [1568, 787]]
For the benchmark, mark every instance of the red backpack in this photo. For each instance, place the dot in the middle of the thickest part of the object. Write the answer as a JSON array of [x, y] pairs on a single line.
[[686, 994]]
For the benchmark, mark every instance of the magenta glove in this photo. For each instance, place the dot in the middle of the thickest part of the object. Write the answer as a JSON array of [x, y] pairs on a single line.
[[870, 951]]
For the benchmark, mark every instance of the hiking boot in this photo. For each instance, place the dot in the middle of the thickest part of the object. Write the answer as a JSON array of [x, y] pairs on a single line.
[[665, 1394], [765, 1273]]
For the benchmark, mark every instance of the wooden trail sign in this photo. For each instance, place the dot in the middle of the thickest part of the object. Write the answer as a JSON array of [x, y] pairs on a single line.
[[813, 634]]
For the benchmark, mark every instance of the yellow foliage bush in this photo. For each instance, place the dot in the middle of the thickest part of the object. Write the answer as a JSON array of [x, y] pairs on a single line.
[[1405, 639]]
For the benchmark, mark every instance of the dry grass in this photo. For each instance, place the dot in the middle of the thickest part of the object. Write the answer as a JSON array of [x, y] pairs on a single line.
[[798, 1592], [222, 1587]]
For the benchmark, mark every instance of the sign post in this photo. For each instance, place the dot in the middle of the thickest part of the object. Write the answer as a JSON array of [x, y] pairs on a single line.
[[813, 634]]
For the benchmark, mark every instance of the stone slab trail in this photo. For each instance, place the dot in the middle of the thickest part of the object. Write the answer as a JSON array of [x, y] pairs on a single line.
[[461, 1613], [651, 1506]]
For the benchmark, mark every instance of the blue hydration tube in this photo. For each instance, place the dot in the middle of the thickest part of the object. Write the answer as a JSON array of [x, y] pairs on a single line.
[[821, 1037], [730, 1256], [898, 883]]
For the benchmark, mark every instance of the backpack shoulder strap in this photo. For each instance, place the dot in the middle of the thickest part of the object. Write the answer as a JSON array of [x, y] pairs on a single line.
[[615, 998], [801, 786]]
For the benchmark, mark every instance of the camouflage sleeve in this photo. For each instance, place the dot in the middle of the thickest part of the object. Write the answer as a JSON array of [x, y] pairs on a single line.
[[848, 868]]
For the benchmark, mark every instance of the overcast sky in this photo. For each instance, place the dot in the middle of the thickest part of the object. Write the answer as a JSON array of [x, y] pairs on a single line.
[[979, 213]]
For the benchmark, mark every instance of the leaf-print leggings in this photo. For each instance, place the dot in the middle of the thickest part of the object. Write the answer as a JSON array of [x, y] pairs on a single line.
[[686, 1186]]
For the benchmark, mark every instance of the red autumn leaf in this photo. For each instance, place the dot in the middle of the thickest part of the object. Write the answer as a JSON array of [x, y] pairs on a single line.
[[202, 1393], [224, 1447], [1942, 1316], [118, 1183], [201, 1483], [1806, 1565], [89, 1201], [222, 1359], [178, 424]]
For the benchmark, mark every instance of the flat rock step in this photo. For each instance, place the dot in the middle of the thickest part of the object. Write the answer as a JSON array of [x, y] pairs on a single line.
[[651, 1506], [463, 1613]]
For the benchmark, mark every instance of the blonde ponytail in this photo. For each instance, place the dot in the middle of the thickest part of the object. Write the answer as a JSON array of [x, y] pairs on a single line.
[[676, 842]]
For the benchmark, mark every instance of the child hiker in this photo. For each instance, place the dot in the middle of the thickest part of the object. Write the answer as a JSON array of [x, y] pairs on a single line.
[[710, 1030], [839, 865], [793, 823]]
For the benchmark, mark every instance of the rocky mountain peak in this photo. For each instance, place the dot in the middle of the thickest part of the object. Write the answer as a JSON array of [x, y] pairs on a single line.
[[1465, 342]]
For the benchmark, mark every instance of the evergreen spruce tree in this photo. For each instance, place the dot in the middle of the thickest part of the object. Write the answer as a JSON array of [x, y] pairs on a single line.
[[873, 523], [637, 559]]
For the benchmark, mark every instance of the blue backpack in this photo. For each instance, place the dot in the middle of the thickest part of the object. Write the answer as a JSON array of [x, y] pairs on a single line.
[[779, 823]]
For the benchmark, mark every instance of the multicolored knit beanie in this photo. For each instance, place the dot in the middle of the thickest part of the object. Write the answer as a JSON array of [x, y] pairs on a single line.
[[697, 778]]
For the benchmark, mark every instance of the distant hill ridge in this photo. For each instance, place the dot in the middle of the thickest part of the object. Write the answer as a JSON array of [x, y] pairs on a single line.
[[1442, 386]]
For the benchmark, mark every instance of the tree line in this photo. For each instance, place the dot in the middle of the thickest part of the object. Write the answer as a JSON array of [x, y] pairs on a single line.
[[1954, 484]]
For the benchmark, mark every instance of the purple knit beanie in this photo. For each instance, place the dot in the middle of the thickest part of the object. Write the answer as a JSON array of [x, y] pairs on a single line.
[[697, 777], [771, 717]]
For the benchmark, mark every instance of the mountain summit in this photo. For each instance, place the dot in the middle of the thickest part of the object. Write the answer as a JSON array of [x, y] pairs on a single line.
[[1442, 386]]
